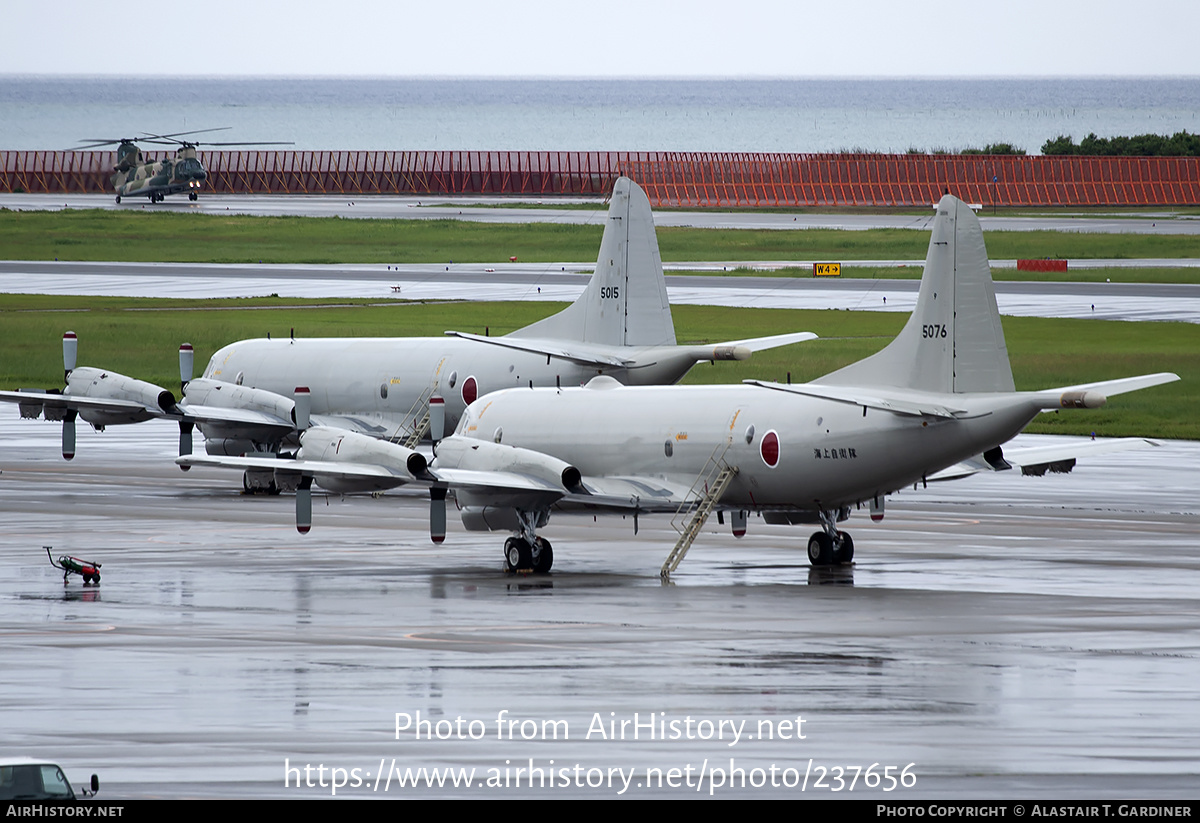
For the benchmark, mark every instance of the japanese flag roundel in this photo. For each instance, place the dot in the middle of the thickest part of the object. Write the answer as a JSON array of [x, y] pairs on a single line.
[[470, 390], [769, 448]]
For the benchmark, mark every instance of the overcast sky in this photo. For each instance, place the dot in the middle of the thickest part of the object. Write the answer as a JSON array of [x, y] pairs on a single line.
[[603, 38]]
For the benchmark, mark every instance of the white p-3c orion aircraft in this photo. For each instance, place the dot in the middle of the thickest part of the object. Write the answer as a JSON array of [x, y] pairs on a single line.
[[938, 402], [383, 387]]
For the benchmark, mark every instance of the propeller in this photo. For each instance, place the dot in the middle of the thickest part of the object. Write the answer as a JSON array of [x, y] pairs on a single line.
[[437, 419], [437, 513], [70, 350], [302, 411], [437, 494], [68, 435], [186, 362], [304, 505]]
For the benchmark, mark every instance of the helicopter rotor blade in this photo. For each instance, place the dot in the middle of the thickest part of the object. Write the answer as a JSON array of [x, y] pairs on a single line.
[[149, 136]]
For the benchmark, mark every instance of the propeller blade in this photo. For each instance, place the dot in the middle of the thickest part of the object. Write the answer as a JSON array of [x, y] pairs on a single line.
[[437, 418], [185, 440], [186, 364], [70, 349], [303, 408], [68, 435], [437, 513], [304, 505]]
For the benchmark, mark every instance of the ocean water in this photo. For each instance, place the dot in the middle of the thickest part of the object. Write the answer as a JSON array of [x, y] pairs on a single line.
[[786, 115]]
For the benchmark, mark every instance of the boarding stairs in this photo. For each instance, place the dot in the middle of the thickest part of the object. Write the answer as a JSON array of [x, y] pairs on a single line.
[[419, 414], [710, 485]]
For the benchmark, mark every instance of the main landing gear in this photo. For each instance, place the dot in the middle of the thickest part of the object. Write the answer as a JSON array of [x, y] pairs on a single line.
[[830, 547], [520, 556], [525, 551]]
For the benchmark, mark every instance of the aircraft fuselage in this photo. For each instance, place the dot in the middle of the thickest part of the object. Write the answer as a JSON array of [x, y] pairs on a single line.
[[792, 451], [382, 383]]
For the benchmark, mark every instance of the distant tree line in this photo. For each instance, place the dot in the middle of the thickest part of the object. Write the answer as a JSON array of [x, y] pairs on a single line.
[[995, 148], [1181, 144]]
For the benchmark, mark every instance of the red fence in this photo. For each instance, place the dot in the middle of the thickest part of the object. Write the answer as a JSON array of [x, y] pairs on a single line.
[[700, 179]]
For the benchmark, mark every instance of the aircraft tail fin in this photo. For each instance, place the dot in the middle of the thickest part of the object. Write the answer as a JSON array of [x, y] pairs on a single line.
[[625, 304], [953, 342]]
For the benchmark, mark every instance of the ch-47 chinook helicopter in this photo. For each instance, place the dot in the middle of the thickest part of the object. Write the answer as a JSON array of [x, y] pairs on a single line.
[[134, 175]]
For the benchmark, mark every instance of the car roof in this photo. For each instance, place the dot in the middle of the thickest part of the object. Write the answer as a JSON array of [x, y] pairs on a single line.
[[25, 761]]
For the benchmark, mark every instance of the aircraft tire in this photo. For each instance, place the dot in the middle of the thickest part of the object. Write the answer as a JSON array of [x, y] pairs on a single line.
[[118, 198], [845, 552], [517, 555], [820, 549], [545, 557]]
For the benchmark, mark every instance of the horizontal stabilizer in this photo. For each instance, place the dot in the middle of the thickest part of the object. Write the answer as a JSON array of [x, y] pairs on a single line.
[[1094, 395], [772, 342], [1037, 457]]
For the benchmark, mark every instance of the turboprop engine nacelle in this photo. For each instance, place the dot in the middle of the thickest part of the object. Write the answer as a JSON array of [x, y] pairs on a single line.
[[484, 455], [205, 392], [339, 446], [107, 385]]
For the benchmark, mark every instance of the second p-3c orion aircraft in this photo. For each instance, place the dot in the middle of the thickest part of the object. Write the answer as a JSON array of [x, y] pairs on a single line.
[[938, 402], [620, 327]]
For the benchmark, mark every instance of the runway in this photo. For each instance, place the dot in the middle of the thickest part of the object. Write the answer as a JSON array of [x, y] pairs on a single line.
[[500, 210], [1008, 637], [551, 282]]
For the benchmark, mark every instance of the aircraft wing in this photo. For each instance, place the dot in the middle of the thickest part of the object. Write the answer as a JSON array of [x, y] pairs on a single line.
[[310, 468], [631, 494], [548, 348], [67, 401], [1037, 460], [233, 416], [859, 397]]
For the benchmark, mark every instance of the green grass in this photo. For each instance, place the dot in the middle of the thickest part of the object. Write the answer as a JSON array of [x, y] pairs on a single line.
[[140, 337], [175, 237]]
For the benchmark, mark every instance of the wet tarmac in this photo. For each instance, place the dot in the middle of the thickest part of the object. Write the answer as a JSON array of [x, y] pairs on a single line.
[[556, 282], [1008, 637]]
